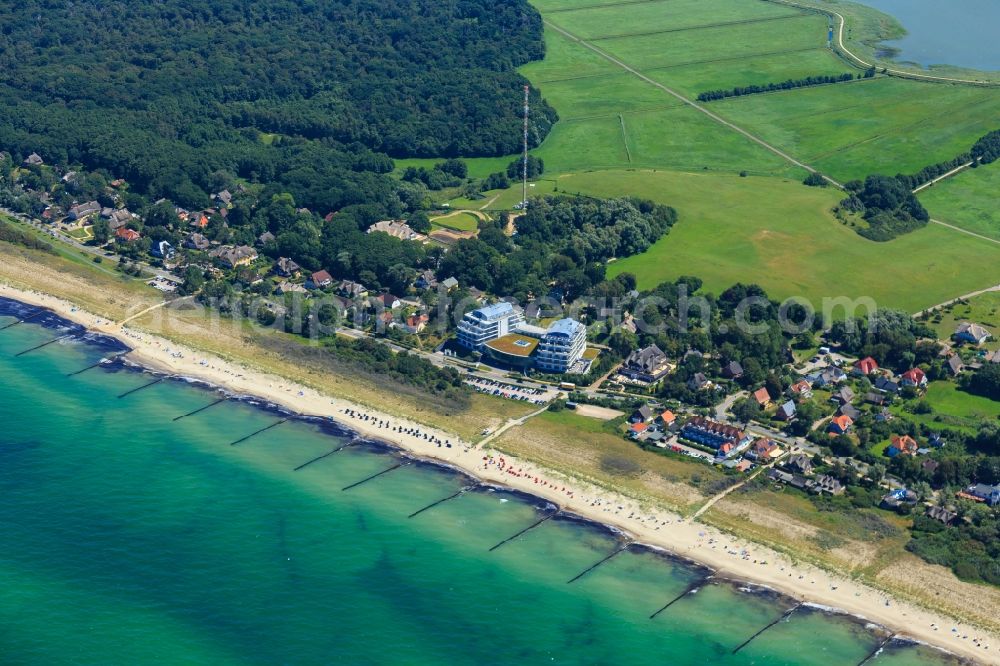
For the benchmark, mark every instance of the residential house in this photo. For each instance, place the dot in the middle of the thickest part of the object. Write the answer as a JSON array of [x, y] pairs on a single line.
[[843, 396], [638, 428], [287, 287], [974, 333], [126, 235], [840, 425], [764, 450], [884, 415], [802, 389], [733, 370], [265, 238], [667, 418], [84, 210], [982, 493], [197, 242], [886, 385], [34, 159], [389, 301], [898, 497], [829, 376], [865, 366], [786, 412], [762, 397], [163, 250], [287, 268], [992, 357], [416, 323], [426, 280], [449, 283], [799, 463], [646, 365], [698, 382], [902, 445], [644, 414], [319, 280], [793, 480], [350, 289], [827, 484], [849, 410], [875, 399], [224, 198], [942, 515], [69, 176], [231, 256], [709, 433], [118, 218], [913, 377], [198, 220], [396, 229], [955, 365]]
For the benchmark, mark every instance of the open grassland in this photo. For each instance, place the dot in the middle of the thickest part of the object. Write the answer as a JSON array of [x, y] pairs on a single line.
[[883, 125], [457, 221], [968, 200], [781, 235], [718, 43], [591, 449], [665, 16]]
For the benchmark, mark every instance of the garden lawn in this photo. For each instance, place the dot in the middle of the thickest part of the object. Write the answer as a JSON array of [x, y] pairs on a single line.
[[781, 235], [953, 408], [968, 200], [983, 309]]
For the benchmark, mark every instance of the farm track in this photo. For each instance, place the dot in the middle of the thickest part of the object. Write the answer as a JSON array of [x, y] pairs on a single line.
[[685, 100], [721, 24]]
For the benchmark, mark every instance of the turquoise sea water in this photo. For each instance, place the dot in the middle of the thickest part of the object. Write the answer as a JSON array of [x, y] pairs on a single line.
[[953, 32], [131, 538]]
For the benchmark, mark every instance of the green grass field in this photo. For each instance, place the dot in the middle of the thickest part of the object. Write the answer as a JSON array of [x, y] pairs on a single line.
[[953, 408], [968, 200], [878, 126], [457, 222], [781, 235]]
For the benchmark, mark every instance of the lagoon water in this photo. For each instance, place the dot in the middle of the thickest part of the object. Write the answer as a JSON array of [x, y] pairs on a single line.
[[131, 538], [962, 33]]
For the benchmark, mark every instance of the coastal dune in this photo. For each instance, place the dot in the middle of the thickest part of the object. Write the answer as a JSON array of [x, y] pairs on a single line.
[[729, 556]]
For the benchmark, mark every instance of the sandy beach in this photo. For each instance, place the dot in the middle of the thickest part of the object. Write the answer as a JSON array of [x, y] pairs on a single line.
[[730, 557]]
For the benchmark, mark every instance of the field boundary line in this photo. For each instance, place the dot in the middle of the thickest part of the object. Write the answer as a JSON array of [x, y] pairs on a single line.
[[742, 56], [628, 153], [896, 72], [721, 24], [965, 231], [600, 6], [698, 107], [951, 173], [614, 114]]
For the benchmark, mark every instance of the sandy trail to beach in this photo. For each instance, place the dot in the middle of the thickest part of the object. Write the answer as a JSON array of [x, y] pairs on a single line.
[[729, 556]]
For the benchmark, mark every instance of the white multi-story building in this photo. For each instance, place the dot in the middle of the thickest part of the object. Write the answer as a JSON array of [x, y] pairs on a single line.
[[489, 323], [561, 346]]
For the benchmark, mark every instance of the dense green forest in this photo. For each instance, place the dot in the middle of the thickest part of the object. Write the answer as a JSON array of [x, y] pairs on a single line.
[[168, 94]]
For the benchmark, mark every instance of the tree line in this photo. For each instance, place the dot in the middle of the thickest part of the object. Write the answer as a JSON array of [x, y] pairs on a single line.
[[790, 84]]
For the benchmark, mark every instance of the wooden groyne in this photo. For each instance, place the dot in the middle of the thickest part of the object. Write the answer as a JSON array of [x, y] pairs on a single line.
[[690, 588], [440, 501], [91, 367], [322, 456], [44, 344], [593, 566], [874, 653], [375, 475], [526, 529], [257, 432], [28, 318], [201, 409], [784, 616], [144, 386]]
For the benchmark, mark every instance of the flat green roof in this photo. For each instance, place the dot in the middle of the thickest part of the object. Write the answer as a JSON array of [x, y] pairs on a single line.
[[514, 345]]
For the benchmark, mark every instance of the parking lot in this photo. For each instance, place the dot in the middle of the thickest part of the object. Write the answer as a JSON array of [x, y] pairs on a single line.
[[529, 394]]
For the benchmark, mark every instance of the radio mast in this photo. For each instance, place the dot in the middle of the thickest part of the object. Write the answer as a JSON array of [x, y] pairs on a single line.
[[524, 160]]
